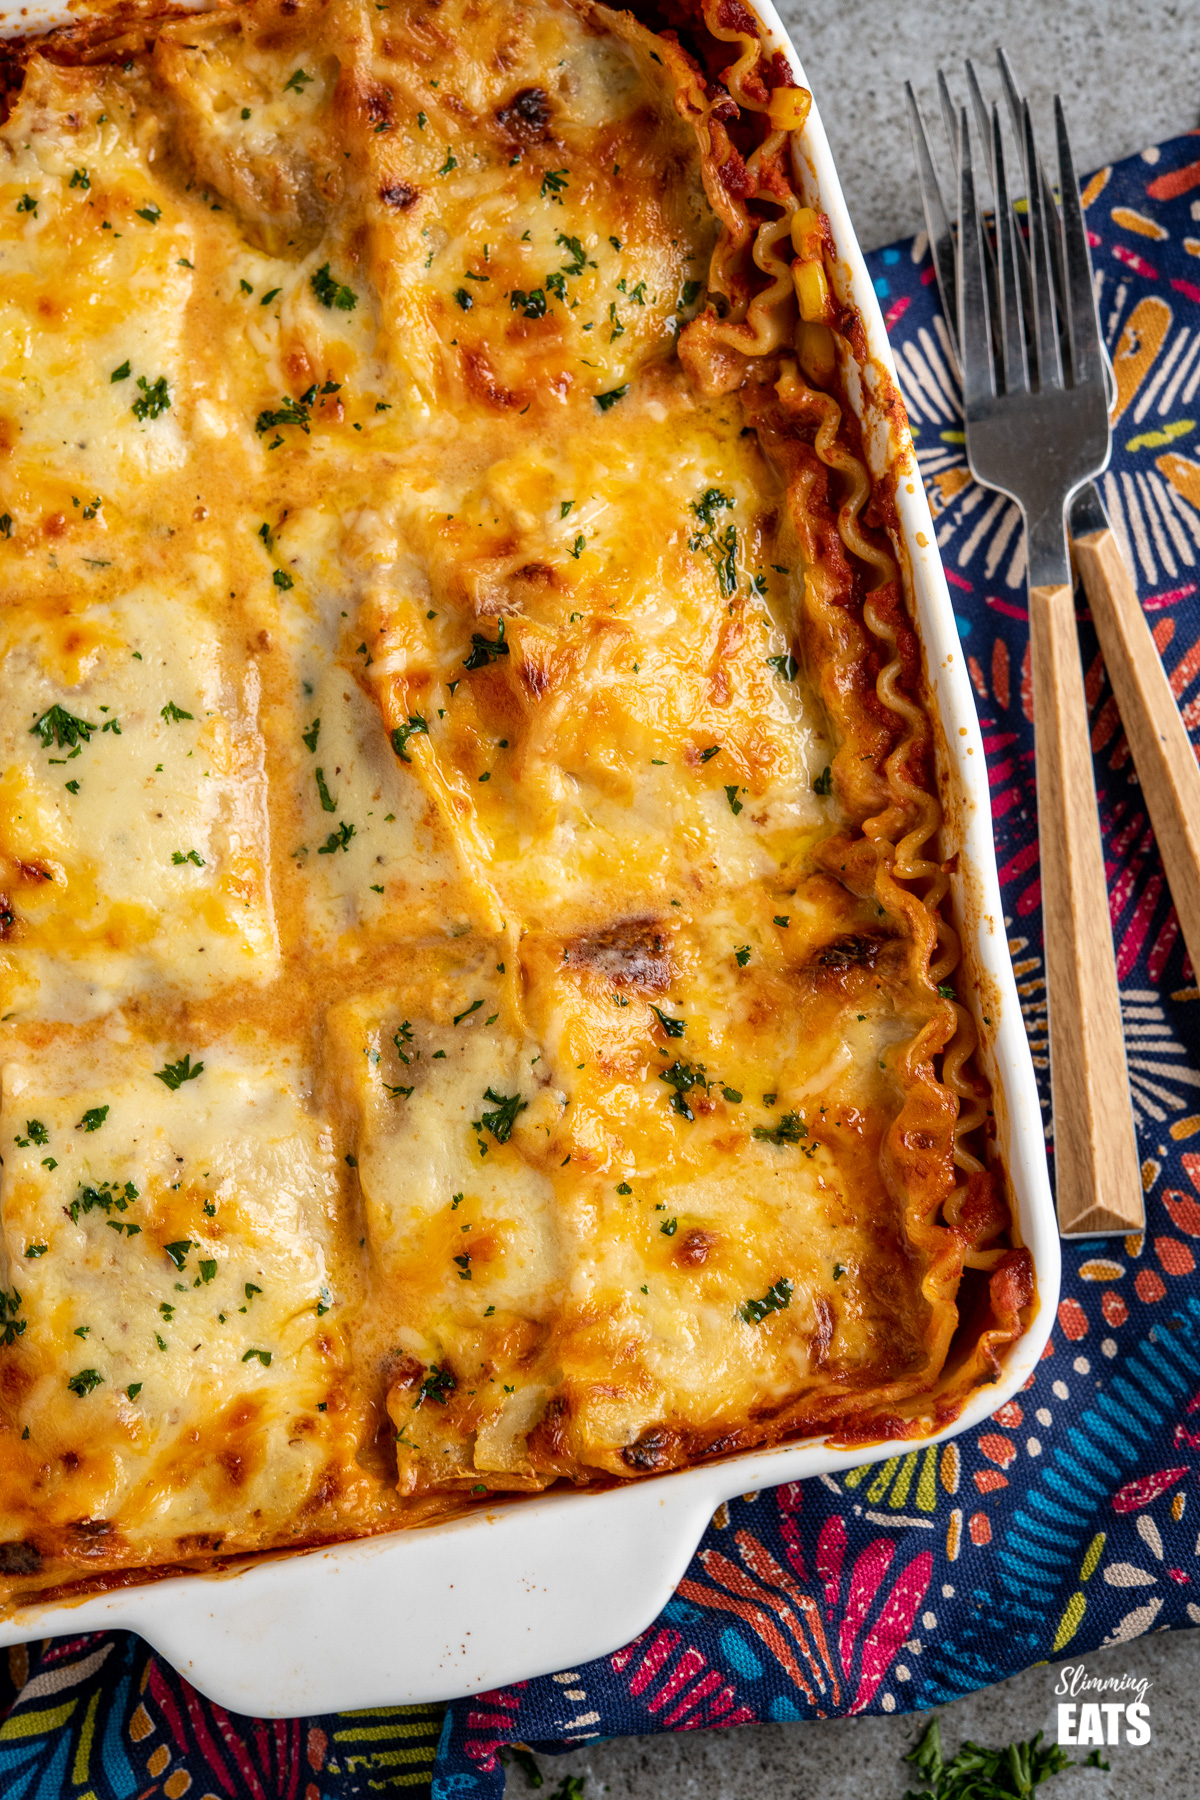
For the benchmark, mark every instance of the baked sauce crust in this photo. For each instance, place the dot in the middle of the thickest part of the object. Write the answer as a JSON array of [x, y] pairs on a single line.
[[477, 1005]]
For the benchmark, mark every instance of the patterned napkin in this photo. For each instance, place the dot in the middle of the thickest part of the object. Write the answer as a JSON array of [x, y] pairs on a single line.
[[1071, 1520]]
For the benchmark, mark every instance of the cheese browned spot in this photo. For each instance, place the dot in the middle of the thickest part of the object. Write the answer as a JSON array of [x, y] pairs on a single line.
[[470, 948]]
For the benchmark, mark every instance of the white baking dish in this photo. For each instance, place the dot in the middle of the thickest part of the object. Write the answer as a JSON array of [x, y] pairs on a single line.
[[551, 1582]]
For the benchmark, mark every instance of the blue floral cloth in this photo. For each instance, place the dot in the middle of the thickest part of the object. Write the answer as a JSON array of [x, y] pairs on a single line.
[[1071, 1520]]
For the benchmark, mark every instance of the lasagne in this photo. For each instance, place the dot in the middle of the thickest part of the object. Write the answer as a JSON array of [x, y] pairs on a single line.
[[477, 1009]]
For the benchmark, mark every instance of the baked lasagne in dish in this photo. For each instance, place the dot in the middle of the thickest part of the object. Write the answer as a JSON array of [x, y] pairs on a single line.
[[477, 1005]]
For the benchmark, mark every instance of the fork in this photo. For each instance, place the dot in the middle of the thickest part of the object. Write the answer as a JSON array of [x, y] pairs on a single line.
[[1036, 409]]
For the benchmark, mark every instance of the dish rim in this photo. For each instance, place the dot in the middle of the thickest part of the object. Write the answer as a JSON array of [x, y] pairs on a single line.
[[322, 1630]]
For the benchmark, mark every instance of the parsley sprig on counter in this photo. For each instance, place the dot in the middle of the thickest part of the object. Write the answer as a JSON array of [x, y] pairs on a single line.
[[977, 1773]]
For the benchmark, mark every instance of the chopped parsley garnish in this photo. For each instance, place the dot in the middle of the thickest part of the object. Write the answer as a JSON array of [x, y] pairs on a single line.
[[264, 1357], [121, 373], [173, 1075], [174, 715], [683, 1077], [84, 1382], [451, 162], [297, 81], [500, 1122], [720, 547], [271, 294], [790, 1129], [402, 1036], [777, 1297], [575, 251], [577, 548], [80, 179], [674, 1028], [282, 579], [106, 1197], [554, 182], [1008, 1774], [178, 1255], [11, 1327], [414, 727], [839, 1269], [669, 1227], [56, 727], [311, 735], [155, 398], [735, 805], [187, 856], [208, 1268], [782, 919], [36, 1250], [823, 783], [484, 650], [35, 1133], [288, 412], [467, 1011], [152, 213], [623, 1187], [786, 667], [532, 305], [337, 840], [732, 1095], [437, 1384], [464, 1265], [464, 299], [557, 284], [741, 955], [604, 401], [134, 1389], [328, 803], [168, 1312], [947, 993], [689, 294], [27, 204], [93, 1118]]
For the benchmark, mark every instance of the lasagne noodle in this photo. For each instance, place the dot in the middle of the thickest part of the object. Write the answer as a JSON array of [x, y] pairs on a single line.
[[476, 1005]]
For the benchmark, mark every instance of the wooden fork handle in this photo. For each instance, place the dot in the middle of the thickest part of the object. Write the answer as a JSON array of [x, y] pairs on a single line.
[[1162, 751], [1097, 1173]]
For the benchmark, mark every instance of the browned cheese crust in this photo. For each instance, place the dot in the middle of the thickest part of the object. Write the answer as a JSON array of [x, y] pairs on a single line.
[[477, 1005]]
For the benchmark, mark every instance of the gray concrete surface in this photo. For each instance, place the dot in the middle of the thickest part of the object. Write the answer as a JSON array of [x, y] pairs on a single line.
[[862, 1759], [1129, 75]]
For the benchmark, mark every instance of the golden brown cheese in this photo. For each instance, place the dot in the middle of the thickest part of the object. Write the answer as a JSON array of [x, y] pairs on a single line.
[[474, 996]]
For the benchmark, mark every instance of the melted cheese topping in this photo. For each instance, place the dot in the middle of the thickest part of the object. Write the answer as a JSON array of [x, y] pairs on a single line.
[[440, 1053]]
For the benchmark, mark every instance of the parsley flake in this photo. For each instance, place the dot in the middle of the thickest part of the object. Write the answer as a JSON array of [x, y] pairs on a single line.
[[777, 1297], [331, 292], [414, 727], [173, 1075]]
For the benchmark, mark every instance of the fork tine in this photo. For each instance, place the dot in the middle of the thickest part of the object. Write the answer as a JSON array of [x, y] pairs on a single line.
[[1082, 325], [949, 119], [937, 219], [1045, 328], [1008, 281], [974, 329], [983, 123], [1013, 96]]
